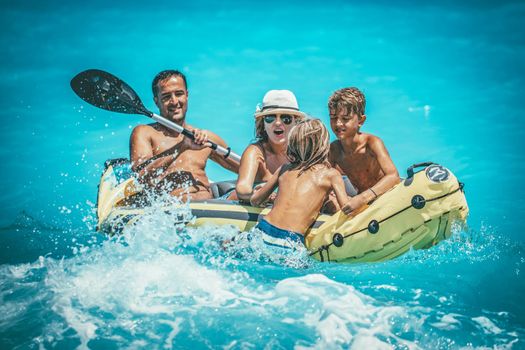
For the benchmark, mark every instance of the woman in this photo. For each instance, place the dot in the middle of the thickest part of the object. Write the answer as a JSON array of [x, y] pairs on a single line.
[[273, 121]]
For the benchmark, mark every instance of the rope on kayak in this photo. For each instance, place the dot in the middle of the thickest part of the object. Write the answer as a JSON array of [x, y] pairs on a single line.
[[417, 202]]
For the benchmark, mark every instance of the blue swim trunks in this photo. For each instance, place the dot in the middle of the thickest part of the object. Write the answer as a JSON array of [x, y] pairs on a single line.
[[277, 237]]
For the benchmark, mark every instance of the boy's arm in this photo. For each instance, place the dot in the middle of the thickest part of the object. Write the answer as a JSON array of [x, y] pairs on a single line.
[[388, 181], [391, 177], [266, 190]]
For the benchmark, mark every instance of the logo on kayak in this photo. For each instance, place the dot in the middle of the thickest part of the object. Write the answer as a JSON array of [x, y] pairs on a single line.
[[437, 173]]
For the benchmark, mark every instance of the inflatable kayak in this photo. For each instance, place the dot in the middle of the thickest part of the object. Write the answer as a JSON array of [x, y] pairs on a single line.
[[417, 213]]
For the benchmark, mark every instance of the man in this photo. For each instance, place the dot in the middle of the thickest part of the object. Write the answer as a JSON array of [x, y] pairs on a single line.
[[164, 159]]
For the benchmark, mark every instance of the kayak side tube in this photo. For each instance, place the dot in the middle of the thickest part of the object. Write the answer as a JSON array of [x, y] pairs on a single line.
[[417, 213]]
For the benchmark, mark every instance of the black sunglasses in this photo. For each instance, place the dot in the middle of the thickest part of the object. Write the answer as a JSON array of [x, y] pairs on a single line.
[[287, 119]]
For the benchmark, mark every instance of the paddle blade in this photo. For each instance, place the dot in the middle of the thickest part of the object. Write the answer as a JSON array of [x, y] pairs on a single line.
[[106, 91]]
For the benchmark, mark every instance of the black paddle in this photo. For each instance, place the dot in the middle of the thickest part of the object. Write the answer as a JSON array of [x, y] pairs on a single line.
[[106, 91]]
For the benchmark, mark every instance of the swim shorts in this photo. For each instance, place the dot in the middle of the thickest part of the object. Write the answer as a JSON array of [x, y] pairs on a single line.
[[277, 237]]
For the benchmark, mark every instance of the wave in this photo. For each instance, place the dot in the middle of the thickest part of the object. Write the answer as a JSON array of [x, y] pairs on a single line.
[[167, 285]]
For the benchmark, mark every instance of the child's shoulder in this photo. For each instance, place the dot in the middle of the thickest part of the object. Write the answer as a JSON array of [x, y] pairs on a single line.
[[324, 170], [370, 139]]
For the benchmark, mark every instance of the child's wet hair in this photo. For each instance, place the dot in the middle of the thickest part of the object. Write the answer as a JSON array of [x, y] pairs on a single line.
[[308, 144], [351, 99]]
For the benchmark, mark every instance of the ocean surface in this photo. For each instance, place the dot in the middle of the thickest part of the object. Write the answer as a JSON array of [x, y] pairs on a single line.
[[444, 82]]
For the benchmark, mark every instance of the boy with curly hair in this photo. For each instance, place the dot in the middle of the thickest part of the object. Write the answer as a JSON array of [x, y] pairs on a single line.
[[360, 156]]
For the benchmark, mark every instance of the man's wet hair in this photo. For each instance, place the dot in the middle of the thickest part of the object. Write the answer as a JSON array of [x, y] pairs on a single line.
[[165, 74], [351, 99]]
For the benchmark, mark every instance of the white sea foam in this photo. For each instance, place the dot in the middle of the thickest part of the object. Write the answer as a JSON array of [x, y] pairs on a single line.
[[339, 315], [448, 322], [387, 287], [487, 325]]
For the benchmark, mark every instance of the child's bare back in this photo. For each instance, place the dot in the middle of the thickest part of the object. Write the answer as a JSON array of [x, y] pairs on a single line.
[[304, 184], [301, 196]]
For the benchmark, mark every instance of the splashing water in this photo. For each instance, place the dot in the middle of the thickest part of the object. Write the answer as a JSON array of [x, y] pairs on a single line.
[[162, 284]]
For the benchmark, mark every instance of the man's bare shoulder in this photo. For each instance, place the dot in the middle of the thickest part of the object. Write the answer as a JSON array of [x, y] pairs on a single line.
[[145, 130]]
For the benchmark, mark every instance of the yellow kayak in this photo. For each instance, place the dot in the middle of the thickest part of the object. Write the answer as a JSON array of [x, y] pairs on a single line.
[[417, 213]]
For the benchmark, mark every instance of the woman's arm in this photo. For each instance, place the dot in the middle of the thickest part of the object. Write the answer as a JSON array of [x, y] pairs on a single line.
[[250, 161]]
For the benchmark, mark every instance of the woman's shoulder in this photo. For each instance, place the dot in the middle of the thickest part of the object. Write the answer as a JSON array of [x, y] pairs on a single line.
[[256, 148]]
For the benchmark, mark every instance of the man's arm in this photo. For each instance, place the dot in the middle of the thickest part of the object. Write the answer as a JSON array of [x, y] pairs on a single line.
[[140, 146], [141, 154], [226, 163]]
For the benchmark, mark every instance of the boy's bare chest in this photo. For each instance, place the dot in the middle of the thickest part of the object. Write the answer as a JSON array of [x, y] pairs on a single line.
[[361, 167], [361, 158], [357, 165]]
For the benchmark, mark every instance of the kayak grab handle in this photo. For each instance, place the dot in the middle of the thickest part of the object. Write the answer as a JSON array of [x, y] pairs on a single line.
[[410, 169]]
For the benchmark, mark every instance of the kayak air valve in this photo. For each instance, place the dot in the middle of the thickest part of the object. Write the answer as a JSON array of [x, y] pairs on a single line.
[[338, 239], [373, 226], [418, 201]]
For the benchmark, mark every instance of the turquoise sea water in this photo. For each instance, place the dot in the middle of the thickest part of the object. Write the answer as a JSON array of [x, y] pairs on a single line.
[[444, 82]]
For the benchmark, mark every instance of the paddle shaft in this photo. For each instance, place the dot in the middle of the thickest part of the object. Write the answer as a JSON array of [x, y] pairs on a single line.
[[225, 152]]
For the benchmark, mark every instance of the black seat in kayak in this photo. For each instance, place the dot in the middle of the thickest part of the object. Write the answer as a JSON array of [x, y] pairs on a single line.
[[219, 189], [349, 187]]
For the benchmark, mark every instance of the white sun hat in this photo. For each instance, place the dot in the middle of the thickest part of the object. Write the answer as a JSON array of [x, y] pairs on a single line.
[[278, 101]]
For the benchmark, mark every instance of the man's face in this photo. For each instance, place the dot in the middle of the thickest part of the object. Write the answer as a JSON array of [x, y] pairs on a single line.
[[172, 98], [345, 124]]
